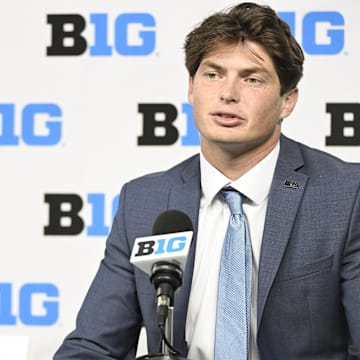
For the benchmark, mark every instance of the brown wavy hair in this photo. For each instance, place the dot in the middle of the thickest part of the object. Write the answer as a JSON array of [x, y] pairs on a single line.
[[252, 22]]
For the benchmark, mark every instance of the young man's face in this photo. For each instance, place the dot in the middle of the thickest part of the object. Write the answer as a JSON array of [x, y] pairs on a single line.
[[236, 98]]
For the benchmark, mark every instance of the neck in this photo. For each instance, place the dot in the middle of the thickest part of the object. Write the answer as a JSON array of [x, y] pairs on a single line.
[[235, 164]]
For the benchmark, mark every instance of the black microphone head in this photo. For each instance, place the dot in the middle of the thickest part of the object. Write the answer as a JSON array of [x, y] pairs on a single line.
[[172, 221]]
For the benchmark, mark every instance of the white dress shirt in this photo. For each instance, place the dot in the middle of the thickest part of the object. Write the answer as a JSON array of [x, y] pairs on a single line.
[[213, 221]]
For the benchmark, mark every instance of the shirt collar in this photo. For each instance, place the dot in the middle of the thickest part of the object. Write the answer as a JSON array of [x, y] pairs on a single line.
[[255, 184]]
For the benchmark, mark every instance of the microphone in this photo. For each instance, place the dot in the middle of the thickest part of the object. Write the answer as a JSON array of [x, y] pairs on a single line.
[[167, 275], [170, 242], [163, 256]]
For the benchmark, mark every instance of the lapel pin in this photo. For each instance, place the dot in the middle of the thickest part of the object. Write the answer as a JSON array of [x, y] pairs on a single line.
[[291, 184]]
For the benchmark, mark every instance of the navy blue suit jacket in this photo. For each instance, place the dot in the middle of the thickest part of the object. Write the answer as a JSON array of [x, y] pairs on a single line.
[[309, 276]]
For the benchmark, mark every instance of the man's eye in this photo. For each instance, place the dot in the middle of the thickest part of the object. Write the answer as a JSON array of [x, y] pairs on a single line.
[[253, 81], [211, 75]]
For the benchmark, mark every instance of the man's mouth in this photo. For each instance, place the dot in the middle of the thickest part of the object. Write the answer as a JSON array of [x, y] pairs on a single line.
[[227, 119], [227, 116]]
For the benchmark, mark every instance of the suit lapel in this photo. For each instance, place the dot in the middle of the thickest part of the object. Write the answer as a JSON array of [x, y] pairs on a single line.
[[186, 197], [285, 195]]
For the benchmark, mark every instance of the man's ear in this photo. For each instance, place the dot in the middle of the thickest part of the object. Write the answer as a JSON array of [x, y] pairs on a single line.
[[289, 101]]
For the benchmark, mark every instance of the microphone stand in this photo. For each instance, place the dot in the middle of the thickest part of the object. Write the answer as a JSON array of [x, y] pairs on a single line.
[[166, 354], [169, 336], [166, 277], [168, 332]]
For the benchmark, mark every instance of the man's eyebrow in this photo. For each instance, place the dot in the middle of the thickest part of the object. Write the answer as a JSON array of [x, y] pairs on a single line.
[[254, 70], [212, 65], [246, 71]]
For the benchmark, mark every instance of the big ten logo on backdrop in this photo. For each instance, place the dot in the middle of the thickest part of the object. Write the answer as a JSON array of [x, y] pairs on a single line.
[[323, 33], [345, 124], [132, 34], [33, 304], [35, 124], [319, 32], [70, 214], [159, 126]]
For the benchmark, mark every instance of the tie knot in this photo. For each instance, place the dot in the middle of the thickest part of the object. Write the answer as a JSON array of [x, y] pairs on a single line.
[[234, 200]]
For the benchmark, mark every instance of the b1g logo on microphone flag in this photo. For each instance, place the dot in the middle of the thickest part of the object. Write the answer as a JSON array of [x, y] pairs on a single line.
[[173, 247]]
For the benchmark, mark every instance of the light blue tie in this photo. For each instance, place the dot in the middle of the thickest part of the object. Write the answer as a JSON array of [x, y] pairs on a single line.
[[234, 289]]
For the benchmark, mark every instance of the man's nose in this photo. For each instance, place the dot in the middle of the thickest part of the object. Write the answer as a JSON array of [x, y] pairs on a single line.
[[230, 92]]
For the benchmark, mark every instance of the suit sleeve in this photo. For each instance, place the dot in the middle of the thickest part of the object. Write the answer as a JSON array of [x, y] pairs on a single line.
[[109, 321], [351, 281]]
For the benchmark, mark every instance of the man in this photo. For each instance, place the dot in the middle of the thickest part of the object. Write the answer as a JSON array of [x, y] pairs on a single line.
[[302, 208]]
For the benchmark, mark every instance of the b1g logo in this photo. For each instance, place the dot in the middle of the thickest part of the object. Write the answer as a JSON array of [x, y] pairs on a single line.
[[345, 124], [159, 246], [159, 126], [133, 33], [38, 304], [39, 125], [169, 247], [65, 216], [322, 31]]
